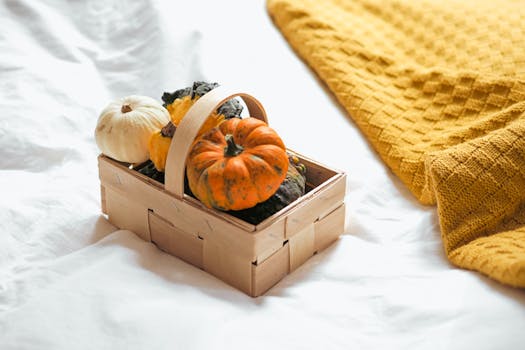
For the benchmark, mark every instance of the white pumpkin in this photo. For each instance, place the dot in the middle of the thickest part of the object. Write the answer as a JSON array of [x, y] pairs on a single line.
[[125, 126]]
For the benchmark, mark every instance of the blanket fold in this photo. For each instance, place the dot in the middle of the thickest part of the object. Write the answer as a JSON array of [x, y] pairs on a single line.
[[438, 88]]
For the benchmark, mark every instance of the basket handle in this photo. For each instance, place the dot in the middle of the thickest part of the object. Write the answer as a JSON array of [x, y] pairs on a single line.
[[189, 127]]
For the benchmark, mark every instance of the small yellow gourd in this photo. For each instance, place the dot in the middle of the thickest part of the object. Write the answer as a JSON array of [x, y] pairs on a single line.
[[125, 126], [178, 103], [159, 142]]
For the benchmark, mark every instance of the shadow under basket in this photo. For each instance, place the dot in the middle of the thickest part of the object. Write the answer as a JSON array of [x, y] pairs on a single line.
[[249, 257]]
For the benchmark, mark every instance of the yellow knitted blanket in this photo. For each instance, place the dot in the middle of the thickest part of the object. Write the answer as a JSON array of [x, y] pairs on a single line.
[[438, 88]]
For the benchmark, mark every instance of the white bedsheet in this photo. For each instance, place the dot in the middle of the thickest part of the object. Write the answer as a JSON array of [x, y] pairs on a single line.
[[70, 280]]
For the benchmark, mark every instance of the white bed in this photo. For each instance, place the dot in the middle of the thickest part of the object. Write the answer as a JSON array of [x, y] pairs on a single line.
[[70, 280]]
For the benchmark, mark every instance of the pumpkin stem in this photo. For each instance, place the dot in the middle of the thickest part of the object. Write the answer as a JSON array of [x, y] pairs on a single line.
[[168, 130], [125, 109], [232, 149]]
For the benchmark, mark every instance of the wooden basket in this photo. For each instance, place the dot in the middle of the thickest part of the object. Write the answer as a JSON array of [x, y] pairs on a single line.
[[249, 257]]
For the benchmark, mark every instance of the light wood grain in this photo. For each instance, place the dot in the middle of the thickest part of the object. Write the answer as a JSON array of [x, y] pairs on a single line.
[[174, 241]]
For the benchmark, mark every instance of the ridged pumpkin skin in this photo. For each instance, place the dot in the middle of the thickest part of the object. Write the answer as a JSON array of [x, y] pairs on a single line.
[[236, 175], [125, 126], [293, 187]]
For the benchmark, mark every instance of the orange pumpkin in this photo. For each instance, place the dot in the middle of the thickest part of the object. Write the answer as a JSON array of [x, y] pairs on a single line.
[[236, 165]]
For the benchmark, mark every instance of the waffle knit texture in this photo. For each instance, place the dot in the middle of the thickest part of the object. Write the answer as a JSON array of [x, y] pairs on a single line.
[[438, 88]]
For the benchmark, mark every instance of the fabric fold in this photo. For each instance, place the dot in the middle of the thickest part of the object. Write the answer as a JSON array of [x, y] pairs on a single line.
[[438, 88]]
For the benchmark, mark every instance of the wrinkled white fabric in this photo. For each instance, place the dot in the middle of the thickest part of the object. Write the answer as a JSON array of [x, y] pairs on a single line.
[[70, 280]]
